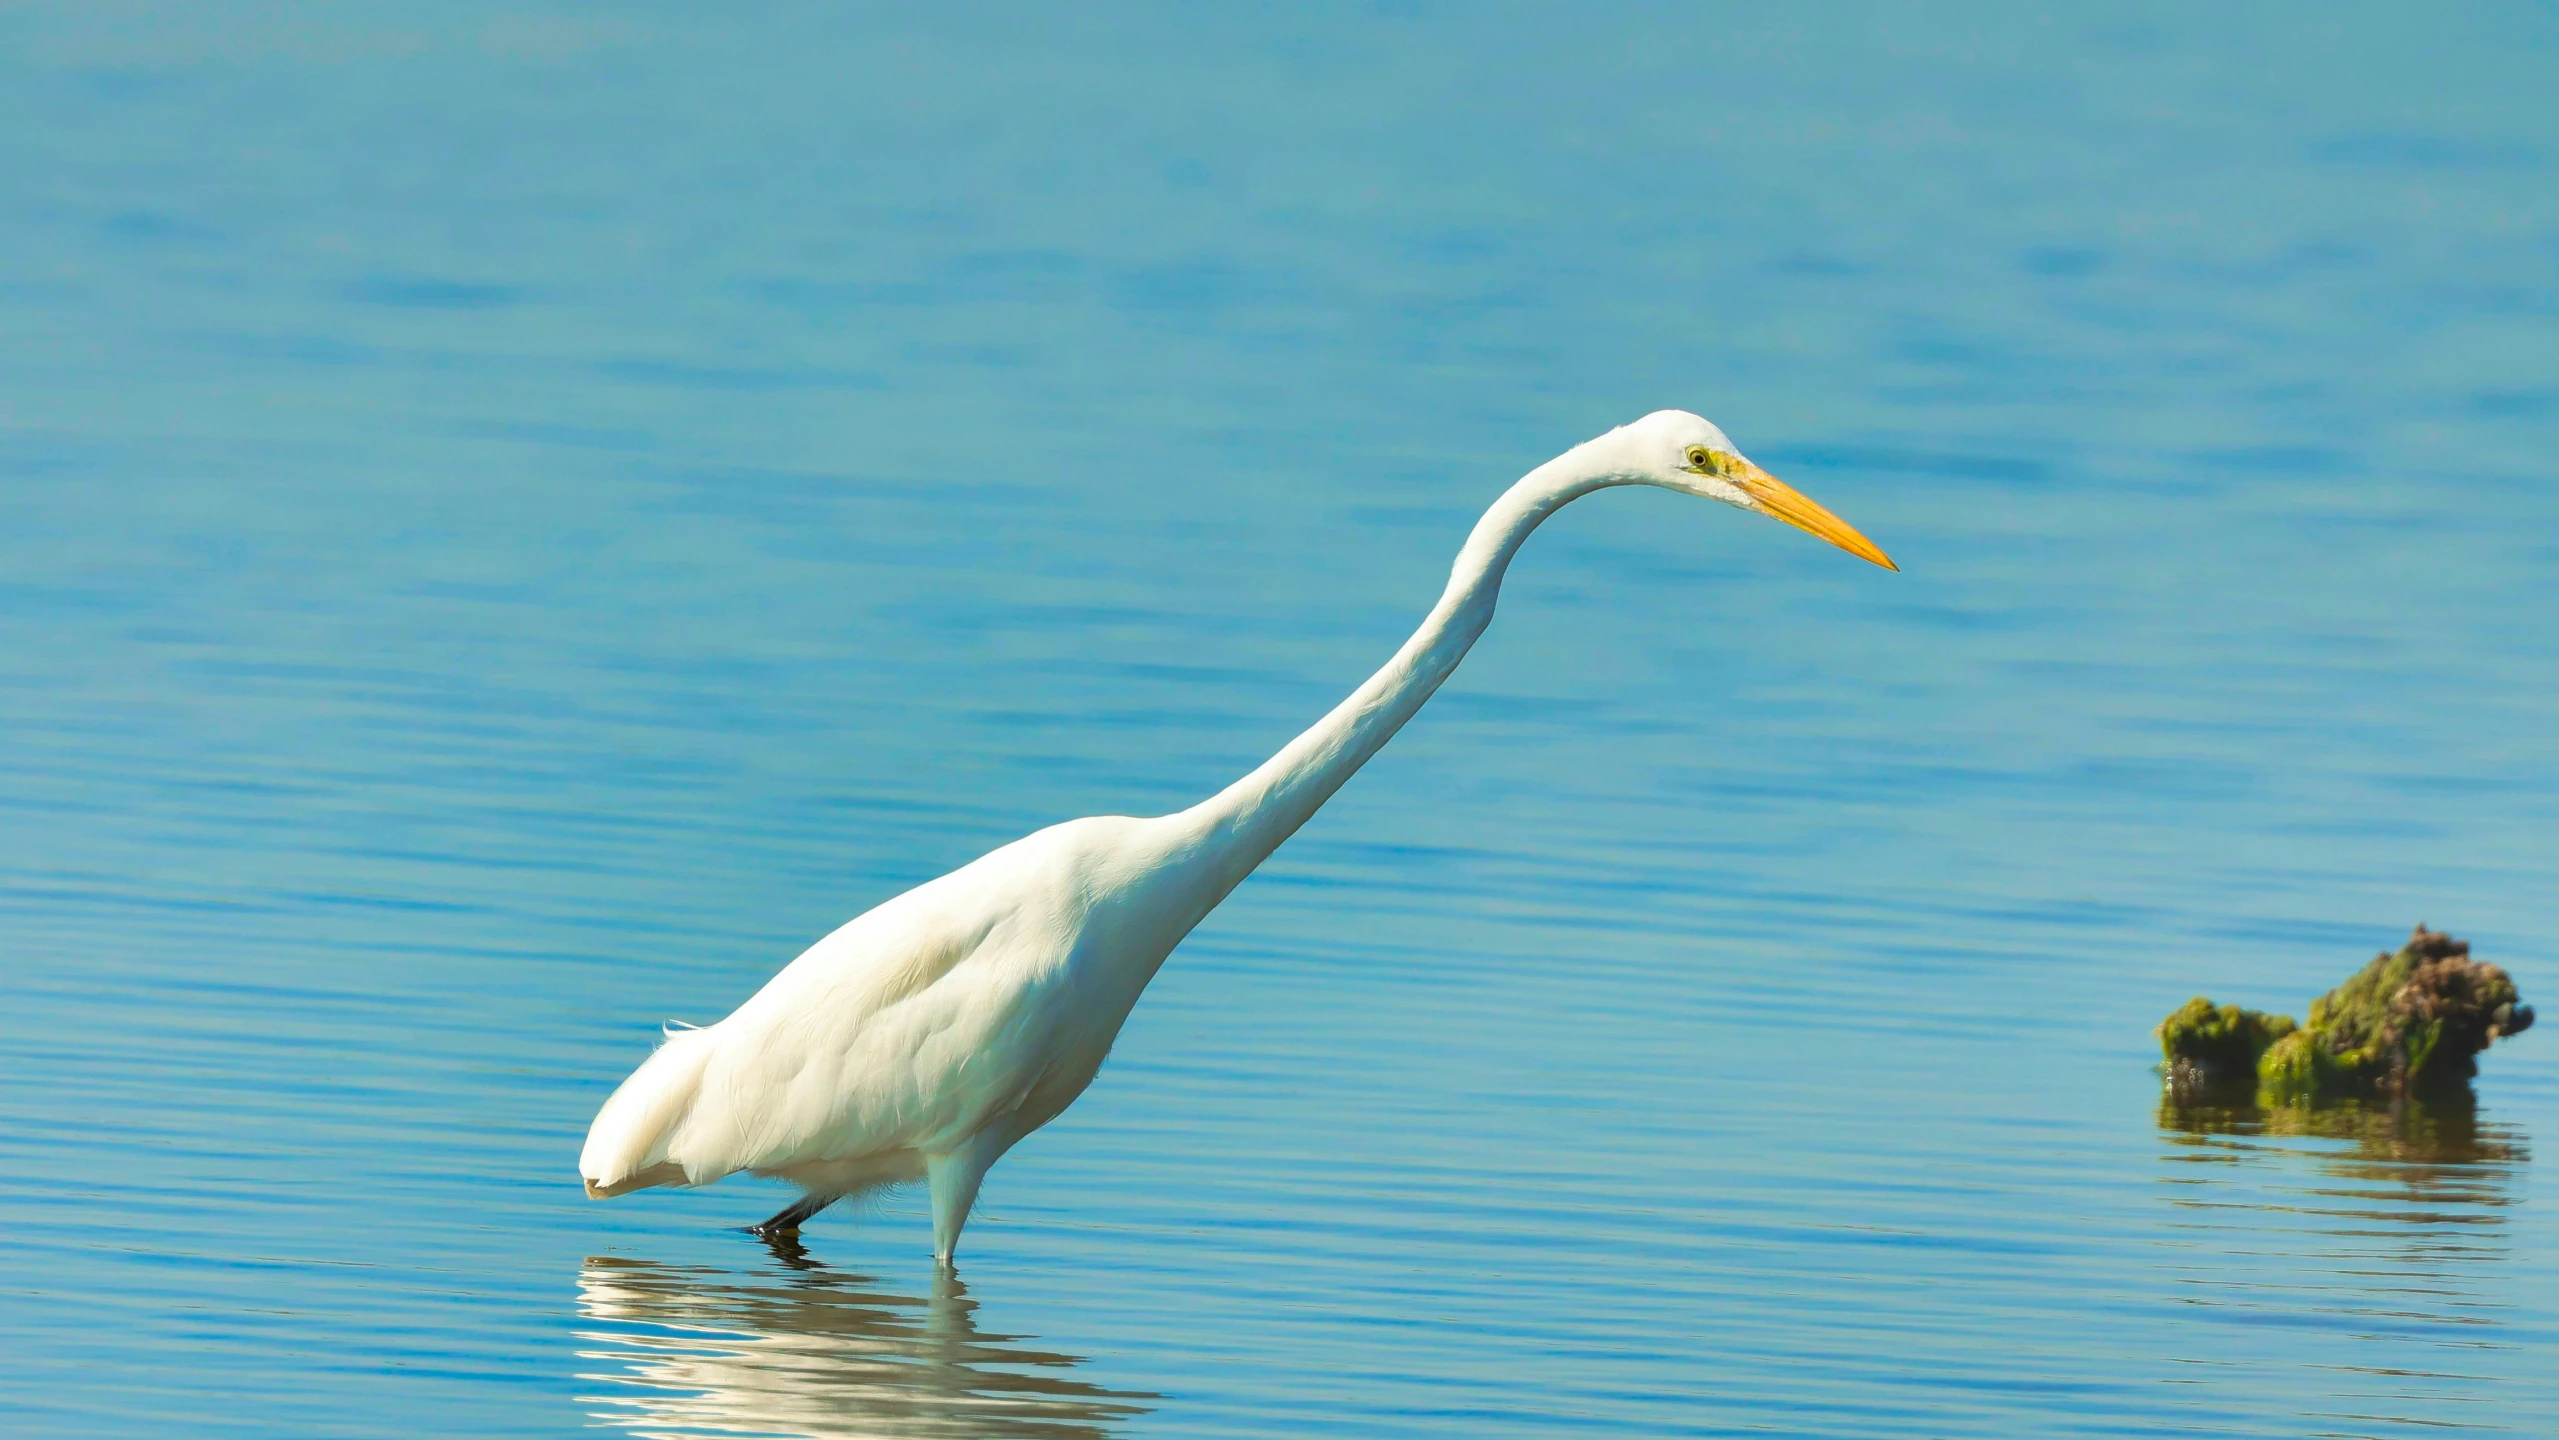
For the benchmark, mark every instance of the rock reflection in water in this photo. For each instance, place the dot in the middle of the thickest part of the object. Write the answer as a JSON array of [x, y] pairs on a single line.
[[803, 1350], [2376, 1237]]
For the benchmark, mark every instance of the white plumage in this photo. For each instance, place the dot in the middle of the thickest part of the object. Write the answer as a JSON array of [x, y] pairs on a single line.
[[924, 1038]]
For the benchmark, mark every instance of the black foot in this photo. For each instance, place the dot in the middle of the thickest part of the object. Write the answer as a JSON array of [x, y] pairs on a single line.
[[787, 1224]]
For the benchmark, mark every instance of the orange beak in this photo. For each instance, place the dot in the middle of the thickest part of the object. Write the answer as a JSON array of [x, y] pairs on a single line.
[[1776, 497]]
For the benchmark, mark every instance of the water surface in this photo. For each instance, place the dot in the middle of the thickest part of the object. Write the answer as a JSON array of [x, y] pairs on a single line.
[[517, 521]]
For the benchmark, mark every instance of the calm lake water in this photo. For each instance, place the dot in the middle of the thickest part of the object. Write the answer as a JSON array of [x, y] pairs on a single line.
[[513, 522]]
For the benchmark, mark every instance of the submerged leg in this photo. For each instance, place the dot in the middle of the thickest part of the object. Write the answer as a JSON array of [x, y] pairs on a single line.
[[954, 1178], [788, 1222]]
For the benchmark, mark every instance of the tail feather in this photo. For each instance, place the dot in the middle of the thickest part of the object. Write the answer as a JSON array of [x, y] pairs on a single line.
[[626, 1147]]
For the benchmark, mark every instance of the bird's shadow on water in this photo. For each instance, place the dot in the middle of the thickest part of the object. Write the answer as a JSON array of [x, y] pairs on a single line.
[[798, 1348]]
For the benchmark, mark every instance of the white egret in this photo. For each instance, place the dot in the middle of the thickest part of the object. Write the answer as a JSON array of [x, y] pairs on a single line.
[[925, 1038]]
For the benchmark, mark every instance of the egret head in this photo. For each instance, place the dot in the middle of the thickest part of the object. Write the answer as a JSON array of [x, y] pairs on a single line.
[[1679, 451]]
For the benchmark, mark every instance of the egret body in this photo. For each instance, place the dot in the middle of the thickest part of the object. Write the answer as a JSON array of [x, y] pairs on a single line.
[[925, 1038]]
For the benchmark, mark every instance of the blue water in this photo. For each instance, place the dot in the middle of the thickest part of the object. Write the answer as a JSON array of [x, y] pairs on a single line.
[[513, 522]]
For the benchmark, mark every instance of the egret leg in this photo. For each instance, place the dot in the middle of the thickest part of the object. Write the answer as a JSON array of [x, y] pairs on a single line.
[[954, 1178], [788, 1222]]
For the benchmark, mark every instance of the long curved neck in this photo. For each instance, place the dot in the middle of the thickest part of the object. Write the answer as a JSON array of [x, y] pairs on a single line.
[[1241, 825]]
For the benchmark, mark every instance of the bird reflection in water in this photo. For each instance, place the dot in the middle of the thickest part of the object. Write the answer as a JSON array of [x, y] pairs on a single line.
[[804, 1350], [2378, 1235]]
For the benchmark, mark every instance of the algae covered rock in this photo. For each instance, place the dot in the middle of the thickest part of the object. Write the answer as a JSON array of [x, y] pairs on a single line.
[[2410, 1021], [2301, 1068], [2216, 1047], [2418, 1019]]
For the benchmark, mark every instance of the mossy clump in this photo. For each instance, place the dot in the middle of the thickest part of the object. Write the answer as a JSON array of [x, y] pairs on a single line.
[[2409, 1022], [2212, 1048], [2299, 1069], [2417, 1019]]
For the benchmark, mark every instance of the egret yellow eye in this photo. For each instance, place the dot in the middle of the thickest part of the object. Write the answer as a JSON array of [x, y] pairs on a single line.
[[1701, 458]]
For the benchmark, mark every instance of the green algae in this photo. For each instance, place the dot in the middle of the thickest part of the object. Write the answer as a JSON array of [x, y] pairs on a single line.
[[2299, 1069], [2419, 1018], [2214, 1047], [2410, 1021]]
